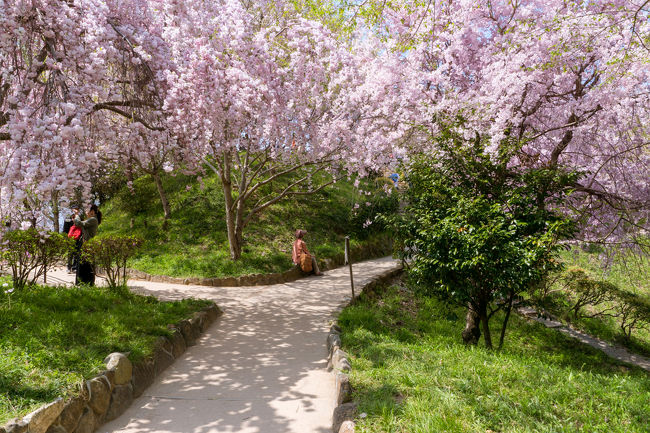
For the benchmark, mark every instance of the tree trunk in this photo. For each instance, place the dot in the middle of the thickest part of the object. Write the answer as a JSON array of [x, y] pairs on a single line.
[[472, 332], [234, 241], [163, 196], [486, 328], [55, 212], [505, 320]]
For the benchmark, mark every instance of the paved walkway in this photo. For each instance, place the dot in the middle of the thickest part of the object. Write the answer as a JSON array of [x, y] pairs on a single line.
[[260, 368]]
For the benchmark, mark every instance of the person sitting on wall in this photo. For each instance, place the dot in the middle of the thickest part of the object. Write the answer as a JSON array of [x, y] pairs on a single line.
[[301, 255]]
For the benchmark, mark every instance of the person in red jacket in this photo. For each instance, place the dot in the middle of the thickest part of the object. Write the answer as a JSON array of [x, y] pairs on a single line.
[[73, 232], [300, 247]]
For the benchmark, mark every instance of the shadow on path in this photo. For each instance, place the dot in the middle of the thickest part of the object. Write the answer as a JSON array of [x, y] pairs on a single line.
[[260, 368]]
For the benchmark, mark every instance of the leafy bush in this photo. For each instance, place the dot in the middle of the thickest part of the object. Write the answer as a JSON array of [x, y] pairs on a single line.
[[478, 231], [111, 253], [29, 253], [591, 298], [633, 312], [584, 291]]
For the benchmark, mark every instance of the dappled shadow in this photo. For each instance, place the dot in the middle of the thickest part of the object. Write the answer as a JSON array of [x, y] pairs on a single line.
[[260, 368]]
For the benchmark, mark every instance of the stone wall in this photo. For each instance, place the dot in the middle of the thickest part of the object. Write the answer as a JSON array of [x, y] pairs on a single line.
[[107, 395], [345, 410], [368, 250]]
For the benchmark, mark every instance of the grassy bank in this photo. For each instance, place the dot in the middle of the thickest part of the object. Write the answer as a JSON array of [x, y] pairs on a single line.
[[195, 243], [628, 272], [52, 338], [411, 373]]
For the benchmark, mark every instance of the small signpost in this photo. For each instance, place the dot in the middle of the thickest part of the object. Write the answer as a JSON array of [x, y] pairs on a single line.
[[348, 261]]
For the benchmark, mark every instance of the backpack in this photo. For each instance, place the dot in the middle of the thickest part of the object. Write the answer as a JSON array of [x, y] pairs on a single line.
[[74, 233], [305, 262]]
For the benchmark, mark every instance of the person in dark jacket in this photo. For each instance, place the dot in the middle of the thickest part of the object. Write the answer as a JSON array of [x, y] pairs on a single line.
[[89, 226]]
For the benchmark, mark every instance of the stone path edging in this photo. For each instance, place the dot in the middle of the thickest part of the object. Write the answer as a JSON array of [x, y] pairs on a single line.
[[617, 352], [345, 410], [107, 395]]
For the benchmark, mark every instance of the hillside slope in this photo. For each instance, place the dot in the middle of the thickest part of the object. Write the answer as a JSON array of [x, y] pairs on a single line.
[[195, 242]]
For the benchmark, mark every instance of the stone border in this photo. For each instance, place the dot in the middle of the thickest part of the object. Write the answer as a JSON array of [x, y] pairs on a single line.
[[107, 395], [337, 361], [370, 250]]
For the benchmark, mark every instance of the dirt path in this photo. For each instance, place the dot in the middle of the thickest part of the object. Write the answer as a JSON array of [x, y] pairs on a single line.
[[261, 368]]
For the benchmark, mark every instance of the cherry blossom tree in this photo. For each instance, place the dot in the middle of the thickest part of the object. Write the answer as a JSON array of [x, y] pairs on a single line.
[[261, 101], [562, 84], [76, 76]]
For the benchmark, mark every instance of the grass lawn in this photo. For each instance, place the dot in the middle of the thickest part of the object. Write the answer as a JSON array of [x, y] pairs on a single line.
[[53, 338], [195, 243], [412, 374]]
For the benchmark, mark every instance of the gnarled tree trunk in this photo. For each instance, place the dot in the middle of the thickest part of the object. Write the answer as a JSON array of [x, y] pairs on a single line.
[[472, 332]]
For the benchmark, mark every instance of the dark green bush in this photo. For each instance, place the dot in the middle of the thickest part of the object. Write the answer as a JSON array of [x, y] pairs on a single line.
[[477, 230], [632, 311], [584, 291]]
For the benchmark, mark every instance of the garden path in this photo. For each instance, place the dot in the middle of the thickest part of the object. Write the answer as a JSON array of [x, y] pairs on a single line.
[[260, 368]]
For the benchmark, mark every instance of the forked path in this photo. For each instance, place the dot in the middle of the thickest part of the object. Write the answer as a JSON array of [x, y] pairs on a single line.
[[260, 368]]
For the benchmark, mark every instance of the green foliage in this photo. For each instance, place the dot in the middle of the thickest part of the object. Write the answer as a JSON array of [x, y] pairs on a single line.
[[476, 230], [379, 199], [410, 373], [53, 337], [633, 312], [111, 253], [30, 253], [584, 291]]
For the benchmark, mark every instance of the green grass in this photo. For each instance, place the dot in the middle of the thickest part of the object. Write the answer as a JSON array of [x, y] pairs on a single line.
[[629, 272], [411, 373], [195, 243], [52, 338]]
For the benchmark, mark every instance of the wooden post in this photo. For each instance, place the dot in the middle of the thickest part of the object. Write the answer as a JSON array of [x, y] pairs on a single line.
[[348, 260]]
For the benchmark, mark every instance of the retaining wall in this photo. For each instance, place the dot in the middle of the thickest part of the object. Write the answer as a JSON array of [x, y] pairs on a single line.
[[345, 410]]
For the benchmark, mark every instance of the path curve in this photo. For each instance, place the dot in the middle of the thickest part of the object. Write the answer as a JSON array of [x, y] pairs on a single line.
[[260, 368]]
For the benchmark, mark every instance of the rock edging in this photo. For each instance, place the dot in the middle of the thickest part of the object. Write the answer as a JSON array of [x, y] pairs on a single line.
[[363, 252], [345, 409], [107, 395]]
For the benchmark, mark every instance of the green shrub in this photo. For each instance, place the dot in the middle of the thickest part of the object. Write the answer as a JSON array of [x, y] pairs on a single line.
[[584, 291], [111, 253], [633, 312], [29, 253], [478, 231]]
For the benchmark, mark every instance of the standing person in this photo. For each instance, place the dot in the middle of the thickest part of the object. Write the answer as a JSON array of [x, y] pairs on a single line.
[[85, 269], [300, 248]]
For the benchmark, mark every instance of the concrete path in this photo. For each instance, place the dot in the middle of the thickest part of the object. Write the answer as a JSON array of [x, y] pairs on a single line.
[[260, 368], [617, 352]]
